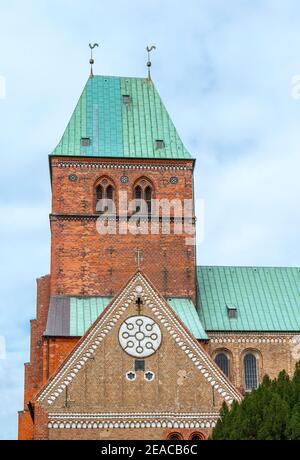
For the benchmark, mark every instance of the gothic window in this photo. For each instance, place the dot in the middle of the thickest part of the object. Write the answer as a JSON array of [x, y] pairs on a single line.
[[137, 197], [148, 197], [104, 191], [110, 192], [250, 371], [221, 359], [143, 194], [99, 192]]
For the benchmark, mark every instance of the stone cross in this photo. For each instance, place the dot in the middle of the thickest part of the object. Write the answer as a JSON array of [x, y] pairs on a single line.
[[138, 257], [139, 303]]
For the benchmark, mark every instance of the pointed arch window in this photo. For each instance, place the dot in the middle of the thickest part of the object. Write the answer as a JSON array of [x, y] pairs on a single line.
[[143, 194], [110, 192], [99, 192], [148, 198], [222, 360], [137, 197], [104, 191], [250, 371]]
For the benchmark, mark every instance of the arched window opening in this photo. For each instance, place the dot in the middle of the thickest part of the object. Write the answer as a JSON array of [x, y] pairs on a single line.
[[137, 197], [196, 436], [110, 192], [104, 191], [250, 371], [138, 192], [148, 198], [175, 436], [99, 192], [222, 361], [143, 194]]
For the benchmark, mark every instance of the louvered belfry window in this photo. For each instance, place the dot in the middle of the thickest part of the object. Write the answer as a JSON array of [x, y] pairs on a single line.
[[250, 371], [222, 361]]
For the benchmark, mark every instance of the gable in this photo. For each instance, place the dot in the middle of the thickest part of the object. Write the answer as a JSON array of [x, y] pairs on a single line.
[[96, 374]]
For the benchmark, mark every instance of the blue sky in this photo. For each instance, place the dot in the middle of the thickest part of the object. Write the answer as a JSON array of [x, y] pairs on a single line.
[[223, 70]]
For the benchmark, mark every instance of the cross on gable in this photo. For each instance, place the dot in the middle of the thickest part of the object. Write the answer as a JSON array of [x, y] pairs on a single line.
[[139, 303], [138, 256], [178, 336]]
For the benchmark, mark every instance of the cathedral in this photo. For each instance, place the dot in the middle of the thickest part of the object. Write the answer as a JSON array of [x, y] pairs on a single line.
[[132, 338]]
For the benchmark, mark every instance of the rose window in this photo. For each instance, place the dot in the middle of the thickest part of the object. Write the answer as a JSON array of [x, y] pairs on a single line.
[[139, 336]]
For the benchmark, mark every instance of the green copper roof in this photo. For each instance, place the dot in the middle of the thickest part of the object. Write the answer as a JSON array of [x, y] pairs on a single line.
[[185, 309], [84, 311], [119, 129], [72, 316], [266, 299]]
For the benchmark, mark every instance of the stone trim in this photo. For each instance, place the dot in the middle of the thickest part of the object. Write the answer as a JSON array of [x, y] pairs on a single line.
[[119, 165], [249, 338], [117, 218], [139, 286], [132, 420]]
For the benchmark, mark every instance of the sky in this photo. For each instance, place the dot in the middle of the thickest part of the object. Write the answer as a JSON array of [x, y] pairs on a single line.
[[224, 69]]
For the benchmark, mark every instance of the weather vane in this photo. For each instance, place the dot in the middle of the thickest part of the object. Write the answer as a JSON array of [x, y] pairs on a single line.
[[91, 59], [149, 49]]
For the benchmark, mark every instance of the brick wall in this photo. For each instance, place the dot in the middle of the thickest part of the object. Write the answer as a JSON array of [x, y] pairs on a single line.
[[25, 426], [55, 350], [273, 352], [86, 263], [101, 386], [125, 434], [33, 371]]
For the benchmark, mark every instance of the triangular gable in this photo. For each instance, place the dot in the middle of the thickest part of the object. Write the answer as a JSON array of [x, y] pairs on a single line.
[[138, 286]]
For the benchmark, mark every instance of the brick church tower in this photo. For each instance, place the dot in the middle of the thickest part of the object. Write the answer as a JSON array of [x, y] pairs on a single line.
[[118, 350]]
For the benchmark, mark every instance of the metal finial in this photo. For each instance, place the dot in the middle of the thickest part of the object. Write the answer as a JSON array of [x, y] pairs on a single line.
[[149, 49], [91, 58]]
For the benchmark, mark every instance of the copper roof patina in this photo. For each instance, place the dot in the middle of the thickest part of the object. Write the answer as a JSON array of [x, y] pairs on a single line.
[[265, 299], [121, 117]]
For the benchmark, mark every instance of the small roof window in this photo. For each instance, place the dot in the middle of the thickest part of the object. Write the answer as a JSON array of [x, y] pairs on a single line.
[[159, 144], [231, 311], [126, 99], [85, 141]]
